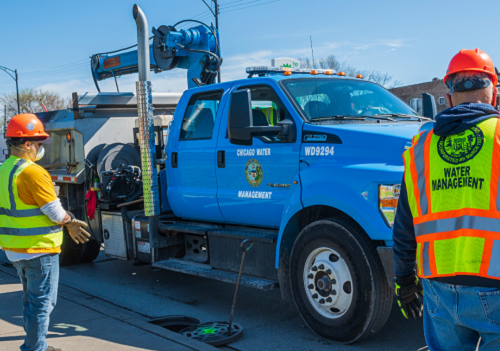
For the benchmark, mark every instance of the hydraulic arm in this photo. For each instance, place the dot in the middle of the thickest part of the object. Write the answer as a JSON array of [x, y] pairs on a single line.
[[196, 49]]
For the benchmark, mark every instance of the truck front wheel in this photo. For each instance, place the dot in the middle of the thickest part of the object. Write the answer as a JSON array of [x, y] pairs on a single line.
[[338, 281]]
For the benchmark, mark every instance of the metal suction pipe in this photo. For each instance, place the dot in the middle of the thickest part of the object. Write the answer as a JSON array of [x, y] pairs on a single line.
[[146, 122], [142, 43]]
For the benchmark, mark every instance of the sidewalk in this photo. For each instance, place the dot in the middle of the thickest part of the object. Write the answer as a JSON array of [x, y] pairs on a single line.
[[81, 322]]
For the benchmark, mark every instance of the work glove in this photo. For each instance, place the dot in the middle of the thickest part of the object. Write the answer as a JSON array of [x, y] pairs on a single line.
[[407, 291], [76, 231]]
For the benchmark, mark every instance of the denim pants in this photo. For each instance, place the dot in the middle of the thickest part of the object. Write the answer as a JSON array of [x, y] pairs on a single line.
[[456, 316], [40, 277]]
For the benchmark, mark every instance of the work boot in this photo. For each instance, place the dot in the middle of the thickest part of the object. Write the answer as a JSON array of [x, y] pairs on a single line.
[[50, 348]]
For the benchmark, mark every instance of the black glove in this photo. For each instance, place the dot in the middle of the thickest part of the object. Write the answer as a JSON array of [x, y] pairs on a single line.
[[407, 290]]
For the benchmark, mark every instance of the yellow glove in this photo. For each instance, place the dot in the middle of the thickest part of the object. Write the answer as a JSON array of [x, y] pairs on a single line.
[[76, 231]]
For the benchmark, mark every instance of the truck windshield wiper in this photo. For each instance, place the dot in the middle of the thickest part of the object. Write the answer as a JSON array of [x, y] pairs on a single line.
[[327, 118], [402, 115], [384, 117]]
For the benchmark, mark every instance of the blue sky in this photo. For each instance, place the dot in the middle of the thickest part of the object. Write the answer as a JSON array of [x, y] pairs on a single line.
[[50, 42]]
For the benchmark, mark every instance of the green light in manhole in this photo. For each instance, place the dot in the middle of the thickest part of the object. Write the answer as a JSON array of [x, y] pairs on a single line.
[[209, 331]]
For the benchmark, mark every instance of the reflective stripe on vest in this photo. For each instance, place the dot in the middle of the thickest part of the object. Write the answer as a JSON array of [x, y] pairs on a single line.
[[271, 115], [453, 192], [23, 226]]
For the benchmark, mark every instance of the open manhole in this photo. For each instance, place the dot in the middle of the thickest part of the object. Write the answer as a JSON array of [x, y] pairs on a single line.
[[176, 323]]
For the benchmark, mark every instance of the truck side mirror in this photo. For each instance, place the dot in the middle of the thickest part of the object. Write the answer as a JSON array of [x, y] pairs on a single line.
[[240, 118], [240, 122], [428, 106]]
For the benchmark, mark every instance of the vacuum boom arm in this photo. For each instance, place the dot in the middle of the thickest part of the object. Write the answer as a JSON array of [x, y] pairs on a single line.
[[196, 49]]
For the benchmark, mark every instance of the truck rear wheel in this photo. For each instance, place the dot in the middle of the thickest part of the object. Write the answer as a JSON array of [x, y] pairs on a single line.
[[338, 282], [71, 252], [91, 251]]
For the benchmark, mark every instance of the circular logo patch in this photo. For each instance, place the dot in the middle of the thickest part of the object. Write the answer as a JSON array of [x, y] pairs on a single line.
[[30, 126], [461, 147], [253, 172]]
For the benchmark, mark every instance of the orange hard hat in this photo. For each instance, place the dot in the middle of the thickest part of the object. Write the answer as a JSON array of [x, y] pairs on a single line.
[[472, 60], [25, 125]]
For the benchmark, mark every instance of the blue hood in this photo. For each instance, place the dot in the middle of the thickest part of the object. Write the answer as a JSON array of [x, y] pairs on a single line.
[[459, 118]]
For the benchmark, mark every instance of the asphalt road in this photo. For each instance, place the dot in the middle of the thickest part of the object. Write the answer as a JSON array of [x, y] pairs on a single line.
[[269, 322]]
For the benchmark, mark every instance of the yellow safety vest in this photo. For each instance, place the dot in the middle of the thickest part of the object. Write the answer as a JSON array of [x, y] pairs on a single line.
[[23, 226], [453, 193], [272, 114]]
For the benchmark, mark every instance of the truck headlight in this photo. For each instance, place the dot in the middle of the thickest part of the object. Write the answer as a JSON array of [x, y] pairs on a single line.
[[388, 196]]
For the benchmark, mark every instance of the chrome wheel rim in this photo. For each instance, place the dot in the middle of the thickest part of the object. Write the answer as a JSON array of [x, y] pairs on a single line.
[[328, 282]]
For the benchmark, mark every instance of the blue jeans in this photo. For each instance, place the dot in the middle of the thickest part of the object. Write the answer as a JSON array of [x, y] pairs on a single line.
[[40, 277], [456, 316]]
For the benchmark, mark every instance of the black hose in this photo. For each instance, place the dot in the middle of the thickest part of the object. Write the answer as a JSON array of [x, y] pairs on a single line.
[[200, 51]]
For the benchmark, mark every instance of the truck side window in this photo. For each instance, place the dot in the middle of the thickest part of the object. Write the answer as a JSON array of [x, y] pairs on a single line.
[[267, 109], [199, 120]]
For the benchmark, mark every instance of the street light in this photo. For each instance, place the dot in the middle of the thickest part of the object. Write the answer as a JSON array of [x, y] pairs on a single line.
[[15, 77]]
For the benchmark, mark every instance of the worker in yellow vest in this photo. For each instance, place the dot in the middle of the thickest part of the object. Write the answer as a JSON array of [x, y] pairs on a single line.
[[31, 219], [448, 215]]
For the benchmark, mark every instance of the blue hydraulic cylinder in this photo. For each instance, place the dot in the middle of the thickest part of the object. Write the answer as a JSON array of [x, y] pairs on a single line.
[[109, 66]]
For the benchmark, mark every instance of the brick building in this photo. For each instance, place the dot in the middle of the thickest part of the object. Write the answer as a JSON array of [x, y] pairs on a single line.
[[412, 94]]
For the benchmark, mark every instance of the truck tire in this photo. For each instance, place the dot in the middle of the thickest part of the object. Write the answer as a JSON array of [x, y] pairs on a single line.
[[91, 251], [71, 252], [338, 281]]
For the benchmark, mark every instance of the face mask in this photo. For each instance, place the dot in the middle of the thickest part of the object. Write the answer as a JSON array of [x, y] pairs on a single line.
[[40, 153]]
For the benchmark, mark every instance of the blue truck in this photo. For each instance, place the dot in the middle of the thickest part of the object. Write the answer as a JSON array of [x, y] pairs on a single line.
[[305, 163]]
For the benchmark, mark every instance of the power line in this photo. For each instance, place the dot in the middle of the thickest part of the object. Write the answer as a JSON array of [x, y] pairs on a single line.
[[246, 7], [223, 7], [60, 66], [53, 71]]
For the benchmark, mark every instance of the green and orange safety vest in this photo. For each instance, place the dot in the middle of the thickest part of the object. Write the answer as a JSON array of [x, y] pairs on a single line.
[[454, 196]]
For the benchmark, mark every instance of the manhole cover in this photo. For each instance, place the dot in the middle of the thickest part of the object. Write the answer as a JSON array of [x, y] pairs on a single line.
[[175, 323], [214, 333]]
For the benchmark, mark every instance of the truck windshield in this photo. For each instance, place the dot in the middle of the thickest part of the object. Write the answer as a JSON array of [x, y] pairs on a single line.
[[344, 98]]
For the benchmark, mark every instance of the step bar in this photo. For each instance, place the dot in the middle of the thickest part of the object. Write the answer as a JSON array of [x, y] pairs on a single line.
[[257, 234], [205, 271]]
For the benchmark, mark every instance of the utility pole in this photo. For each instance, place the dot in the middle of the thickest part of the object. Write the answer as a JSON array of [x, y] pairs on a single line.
[[5, 121], [17, 91], [217, 27], [216, 15]]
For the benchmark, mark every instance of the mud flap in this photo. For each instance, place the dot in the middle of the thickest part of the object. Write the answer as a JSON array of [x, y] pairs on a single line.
[[385, 253]]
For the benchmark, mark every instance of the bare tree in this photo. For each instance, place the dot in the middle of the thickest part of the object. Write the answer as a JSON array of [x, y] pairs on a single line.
[[331, 62], [29, 100]]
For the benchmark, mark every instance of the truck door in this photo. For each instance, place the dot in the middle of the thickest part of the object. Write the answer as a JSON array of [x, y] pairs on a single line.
[[254, 181], [192, 185]]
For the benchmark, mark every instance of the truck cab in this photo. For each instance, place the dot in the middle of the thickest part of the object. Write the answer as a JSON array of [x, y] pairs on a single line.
[[308, 164]]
